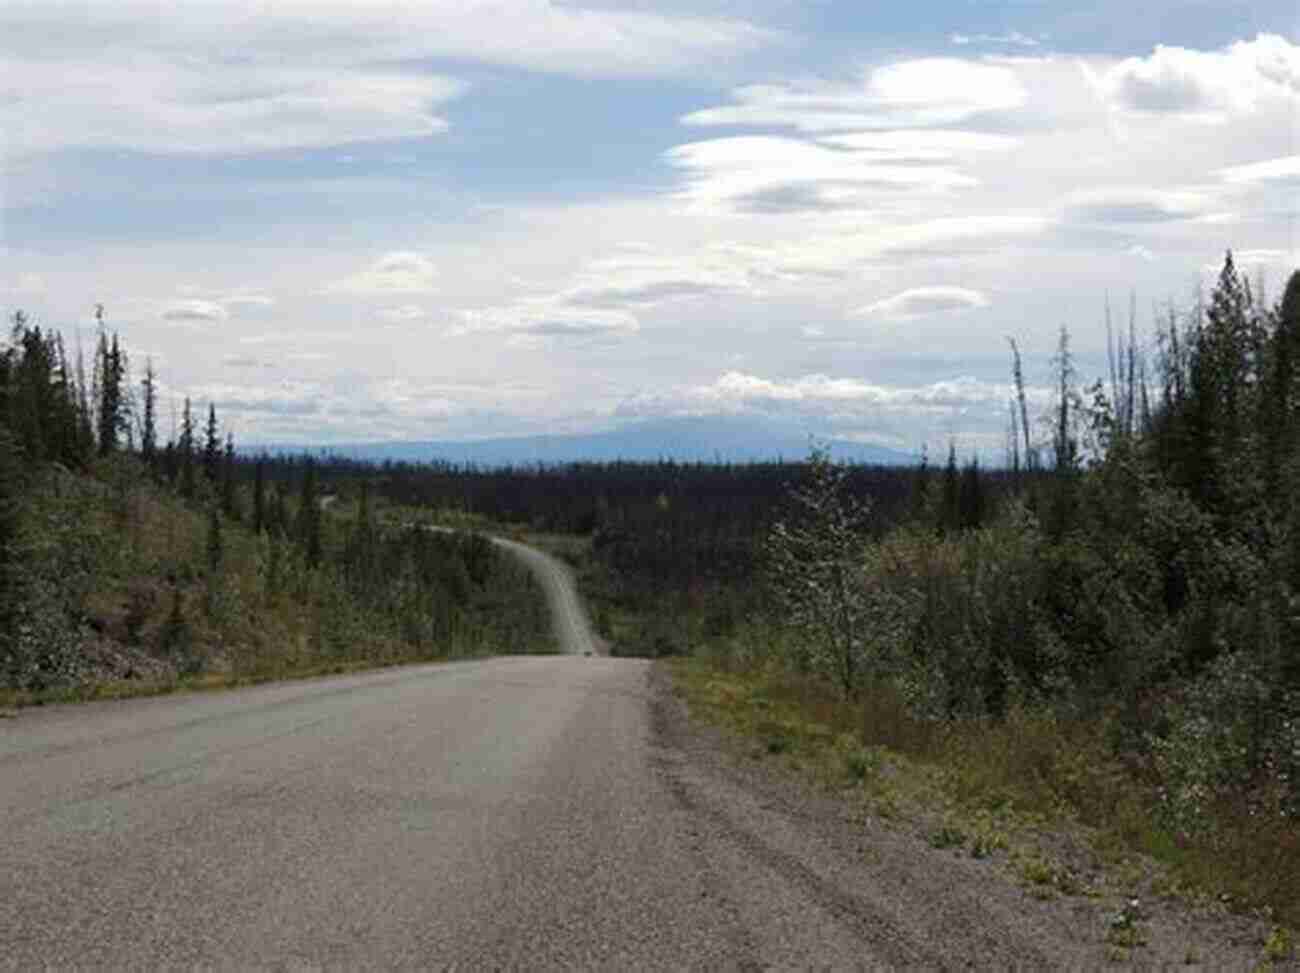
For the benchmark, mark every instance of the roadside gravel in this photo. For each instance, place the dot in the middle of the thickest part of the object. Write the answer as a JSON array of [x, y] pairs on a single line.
[[911, 904]]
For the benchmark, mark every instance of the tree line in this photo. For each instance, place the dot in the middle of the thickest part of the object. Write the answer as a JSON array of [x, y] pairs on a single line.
[[119, 550]]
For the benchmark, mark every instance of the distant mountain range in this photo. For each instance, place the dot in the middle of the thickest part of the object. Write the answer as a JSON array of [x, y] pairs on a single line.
[[735, 439]]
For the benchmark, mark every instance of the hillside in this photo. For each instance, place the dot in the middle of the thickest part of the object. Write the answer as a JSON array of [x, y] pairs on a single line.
[[707, 439]]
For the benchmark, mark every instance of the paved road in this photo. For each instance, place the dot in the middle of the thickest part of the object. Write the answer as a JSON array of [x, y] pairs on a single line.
[[508, 812]]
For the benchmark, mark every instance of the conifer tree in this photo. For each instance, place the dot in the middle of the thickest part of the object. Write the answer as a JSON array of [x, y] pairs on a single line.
[[85, 406], [259, 497], [212, 447], [185, 449], [971, 501], [921, 488], [309, 519], [1278, 412], [361, 555], [31, 394], [6, 386], [229, 498], [216, 545], [10, 564], [110, 367], [278, 521], [149, 428], [950, 514], [1221, 382]]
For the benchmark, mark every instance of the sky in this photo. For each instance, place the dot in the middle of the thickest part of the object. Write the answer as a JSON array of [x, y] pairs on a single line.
[[346, 221]]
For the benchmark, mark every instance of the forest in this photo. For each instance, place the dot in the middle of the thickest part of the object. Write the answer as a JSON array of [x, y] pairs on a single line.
[[131, 564]]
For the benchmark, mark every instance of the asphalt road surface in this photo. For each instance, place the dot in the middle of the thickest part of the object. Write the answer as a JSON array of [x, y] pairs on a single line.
[[520, 812], [508, 812]]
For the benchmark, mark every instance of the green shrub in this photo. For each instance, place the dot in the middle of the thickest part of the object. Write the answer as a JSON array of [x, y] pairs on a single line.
[[1232, 732]]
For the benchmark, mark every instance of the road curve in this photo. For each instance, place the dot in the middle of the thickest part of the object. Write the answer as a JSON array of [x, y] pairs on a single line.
[[569, 620], [573, 628]]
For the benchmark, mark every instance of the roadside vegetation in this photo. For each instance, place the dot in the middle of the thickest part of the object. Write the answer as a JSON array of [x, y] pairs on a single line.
[[1114, 643], [130, 565]]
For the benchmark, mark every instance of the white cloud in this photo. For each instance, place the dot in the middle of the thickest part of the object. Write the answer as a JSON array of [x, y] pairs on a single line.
[[192, 105], [1282, 171], [925, 92], [397, 272], [921, 301], [768, 174], [887, 140], [402, 314], [194, 312], [642, 280], [246, 361], [1207, 85], [922, 145], [238, 76], [27, 283], [546, 319], [1014, 38], [249, 301], [1124, 204]]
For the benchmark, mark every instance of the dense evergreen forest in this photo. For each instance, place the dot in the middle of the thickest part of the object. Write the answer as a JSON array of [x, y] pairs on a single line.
[[124, 559]]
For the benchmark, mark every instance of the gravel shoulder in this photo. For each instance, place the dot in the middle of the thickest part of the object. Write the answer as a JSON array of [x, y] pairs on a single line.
[[907, 902]]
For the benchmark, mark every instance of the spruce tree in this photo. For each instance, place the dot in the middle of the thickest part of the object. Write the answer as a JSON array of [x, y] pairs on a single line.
[[86, 402], [229, 497], [259, 497], [212, 447], [971, 502], [278, 519], [1278, 403], [1222, 376], [309, 518], [110, 367], [216, 545], [149, 429], [185, 447], [950, 514], [11, 594], [921, 488]]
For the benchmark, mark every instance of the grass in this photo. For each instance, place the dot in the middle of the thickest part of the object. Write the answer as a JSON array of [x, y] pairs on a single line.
[[1042, 795]]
